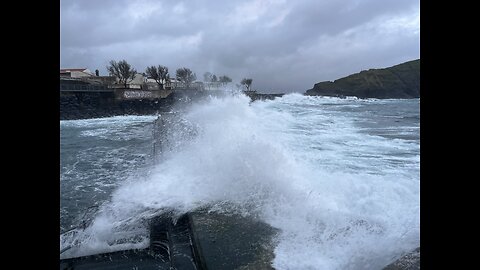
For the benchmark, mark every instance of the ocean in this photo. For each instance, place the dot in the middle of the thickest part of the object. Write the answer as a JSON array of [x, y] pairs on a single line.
[[338, 177]]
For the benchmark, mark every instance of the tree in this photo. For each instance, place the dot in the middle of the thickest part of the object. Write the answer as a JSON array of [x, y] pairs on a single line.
[[247, 83], [163, 72], [122, 70], [207, 77], [224, 79], [186, 76], [159, 74]]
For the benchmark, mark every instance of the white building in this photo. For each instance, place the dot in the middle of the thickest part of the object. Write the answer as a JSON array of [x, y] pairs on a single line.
[[76, 72], [138, 82]]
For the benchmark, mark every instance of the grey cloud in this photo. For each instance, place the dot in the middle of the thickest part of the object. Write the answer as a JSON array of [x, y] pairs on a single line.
[[282, 45]]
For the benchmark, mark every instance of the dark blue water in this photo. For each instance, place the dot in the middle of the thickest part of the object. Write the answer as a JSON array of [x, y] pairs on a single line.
[[96, 156]]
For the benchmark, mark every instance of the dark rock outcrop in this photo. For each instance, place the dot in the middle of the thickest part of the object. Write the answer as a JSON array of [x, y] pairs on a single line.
[[400, 81], [257, 96], [410, 261]]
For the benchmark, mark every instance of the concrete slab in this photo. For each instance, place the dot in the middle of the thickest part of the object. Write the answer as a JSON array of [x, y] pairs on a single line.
[[232, 241]]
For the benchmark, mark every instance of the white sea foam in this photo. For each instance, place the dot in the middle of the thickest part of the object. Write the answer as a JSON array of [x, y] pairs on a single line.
[[110, 121], [342, 199]]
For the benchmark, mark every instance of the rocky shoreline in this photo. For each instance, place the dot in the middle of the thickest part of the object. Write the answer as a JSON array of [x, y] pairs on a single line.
[[254, 96]]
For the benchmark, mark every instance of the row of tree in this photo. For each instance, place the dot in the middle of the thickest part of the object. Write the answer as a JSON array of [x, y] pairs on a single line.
[[125, 73], [209, 77]]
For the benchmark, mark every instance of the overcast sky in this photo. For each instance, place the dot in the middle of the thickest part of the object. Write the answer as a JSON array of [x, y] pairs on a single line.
[[284, 46]]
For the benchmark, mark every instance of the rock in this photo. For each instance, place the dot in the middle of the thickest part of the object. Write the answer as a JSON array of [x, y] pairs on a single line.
[[258, 96], [410, 261]]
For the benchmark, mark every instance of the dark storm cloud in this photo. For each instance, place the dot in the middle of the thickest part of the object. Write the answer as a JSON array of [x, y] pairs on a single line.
[[282, 45]]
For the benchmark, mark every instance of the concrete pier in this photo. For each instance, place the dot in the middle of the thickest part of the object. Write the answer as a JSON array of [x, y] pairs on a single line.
[[195, 241]]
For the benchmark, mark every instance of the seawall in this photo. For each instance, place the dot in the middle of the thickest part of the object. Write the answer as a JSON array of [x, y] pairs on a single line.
[[87, 104], [83, 105]]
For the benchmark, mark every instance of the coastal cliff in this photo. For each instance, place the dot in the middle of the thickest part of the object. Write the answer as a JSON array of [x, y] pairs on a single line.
[[400, 81]]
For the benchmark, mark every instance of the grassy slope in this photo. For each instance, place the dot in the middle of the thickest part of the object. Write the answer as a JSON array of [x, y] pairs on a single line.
[[400, 81]]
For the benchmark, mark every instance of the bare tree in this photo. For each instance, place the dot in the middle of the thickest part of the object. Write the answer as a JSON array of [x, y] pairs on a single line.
[[247, 83], [207, 77], [224, 79], [163, 72], [122, 70], [186, 76], [159, 74]]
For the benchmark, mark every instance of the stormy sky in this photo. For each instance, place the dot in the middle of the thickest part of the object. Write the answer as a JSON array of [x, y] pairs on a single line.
[[284, 46]]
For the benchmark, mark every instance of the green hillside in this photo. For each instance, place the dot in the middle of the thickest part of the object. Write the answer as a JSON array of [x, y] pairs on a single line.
[[400, 81]]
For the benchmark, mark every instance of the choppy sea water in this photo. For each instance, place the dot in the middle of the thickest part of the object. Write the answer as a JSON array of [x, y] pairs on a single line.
[[339, 178]]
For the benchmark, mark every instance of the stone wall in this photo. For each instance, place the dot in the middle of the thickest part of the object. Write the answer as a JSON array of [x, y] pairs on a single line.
[[92, 104], [83, 105]]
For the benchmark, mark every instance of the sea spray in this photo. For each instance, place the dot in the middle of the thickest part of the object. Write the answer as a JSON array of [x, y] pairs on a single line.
[[340, 197]]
